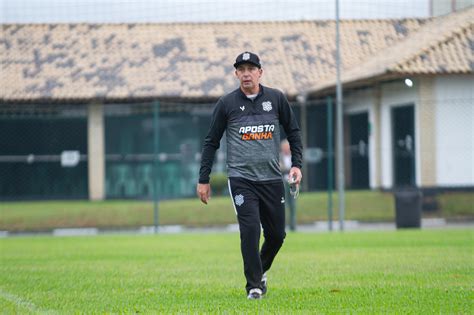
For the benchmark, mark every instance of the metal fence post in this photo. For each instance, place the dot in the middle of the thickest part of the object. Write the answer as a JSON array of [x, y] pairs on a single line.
[[156, 138], [330, 151], [340, 127]]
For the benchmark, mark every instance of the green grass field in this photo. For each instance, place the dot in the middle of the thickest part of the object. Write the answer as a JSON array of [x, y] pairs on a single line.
[[396, 272], [368, 206]]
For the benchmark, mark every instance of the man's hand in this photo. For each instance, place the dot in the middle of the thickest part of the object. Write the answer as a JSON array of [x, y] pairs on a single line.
[[295, 175], [294, 179], [204, 192]]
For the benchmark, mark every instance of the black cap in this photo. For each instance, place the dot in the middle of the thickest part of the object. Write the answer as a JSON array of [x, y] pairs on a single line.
[[247, 57]]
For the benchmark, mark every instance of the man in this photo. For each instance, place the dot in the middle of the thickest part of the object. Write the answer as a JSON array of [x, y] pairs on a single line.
[[251, 116]]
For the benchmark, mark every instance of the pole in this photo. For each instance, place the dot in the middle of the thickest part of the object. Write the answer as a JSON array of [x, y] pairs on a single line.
[[340, 127], [156, 139], [304, 134], [330, 155]]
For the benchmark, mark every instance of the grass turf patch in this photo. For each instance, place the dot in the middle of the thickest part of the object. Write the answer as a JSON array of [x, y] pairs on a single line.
[[404, 272], [360, 205]]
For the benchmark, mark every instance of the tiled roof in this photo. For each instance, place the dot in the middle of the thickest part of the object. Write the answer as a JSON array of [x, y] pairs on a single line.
[[189, 60], [443, 45]]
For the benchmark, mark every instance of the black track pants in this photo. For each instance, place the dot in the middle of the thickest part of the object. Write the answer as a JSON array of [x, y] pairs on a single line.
[[258, 203]]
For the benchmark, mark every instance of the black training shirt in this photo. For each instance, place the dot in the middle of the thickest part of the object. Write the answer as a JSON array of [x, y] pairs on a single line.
[[253, 135]]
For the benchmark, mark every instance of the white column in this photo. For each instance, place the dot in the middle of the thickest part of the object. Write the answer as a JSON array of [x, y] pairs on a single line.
[[427, 132], [376, 136], [96, 151]]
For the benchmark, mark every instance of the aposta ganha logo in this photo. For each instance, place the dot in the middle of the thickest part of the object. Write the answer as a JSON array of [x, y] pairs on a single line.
[[257, 132]]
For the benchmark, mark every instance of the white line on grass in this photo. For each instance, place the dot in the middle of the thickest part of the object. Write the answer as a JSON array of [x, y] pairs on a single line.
[[18, 301]]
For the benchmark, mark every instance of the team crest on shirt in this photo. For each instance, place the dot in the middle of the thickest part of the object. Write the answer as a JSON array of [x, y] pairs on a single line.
[[239, 200], [267, 106]]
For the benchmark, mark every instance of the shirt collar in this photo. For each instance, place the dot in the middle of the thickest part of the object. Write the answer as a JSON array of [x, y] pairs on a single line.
[[260, 92]]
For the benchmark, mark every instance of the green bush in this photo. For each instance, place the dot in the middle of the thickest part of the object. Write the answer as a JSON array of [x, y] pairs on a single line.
[[218, 183]]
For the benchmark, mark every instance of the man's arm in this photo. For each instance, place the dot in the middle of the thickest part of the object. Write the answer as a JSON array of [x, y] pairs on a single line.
[[292, 130], [209, 148]]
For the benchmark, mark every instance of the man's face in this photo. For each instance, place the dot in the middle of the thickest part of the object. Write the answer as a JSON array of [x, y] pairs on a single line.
[[249, 76]]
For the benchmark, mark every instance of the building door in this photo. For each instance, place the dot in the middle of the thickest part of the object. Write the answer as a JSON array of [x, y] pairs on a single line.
[[403, 144], [359, 150]]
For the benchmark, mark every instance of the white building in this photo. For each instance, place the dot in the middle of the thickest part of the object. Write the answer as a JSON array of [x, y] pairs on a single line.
[[417, 99], [92, 88]]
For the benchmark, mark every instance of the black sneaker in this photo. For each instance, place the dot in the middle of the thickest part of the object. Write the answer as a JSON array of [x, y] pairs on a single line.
[[264, 283], [255, 294]]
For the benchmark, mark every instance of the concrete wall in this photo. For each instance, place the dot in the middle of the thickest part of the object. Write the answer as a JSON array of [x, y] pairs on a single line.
[[378, 102], [444, 128], [454, 130]]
